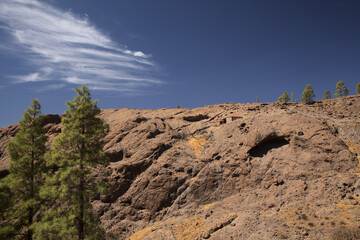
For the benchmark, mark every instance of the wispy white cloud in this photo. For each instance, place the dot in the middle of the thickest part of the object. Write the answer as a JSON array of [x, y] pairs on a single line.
[[50, 87], [31, 77], [67, 48]]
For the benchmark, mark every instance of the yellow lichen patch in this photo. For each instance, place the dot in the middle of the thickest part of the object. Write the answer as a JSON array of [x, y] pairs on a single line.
[[300, 216], [182, 229], [355, 148], [357, 170], [189, 228], [197, 144], [207, 206], [224, 221], [353, 124], [350, 209], [347, 213], [142, 233], [192, 179]]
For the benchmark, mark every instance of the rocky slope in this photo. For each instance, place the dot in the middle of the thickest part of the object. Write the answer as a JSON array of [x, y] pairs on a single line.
[[277, 171]]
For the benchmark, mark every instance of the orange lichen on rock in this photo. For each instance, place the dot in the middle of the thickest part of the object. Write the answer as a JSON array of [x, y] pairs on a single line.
[[207, 206], [142, 233], [355, 148], [189, 228], [350, 209], [197, 144], [299, 217]]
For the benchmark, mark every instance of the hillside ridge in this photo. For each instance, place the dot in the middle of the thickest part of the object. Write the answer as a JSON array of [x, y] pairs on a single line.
[[228, 171]]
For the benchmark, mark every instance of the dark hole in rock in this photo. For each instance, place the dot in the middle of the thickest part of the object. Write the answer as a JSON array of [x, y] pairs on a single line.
[[158, 151], [153, 134], [116, 156], [253, 109], [140, 119], [266, 145], [116, 191], [196, 118], [127, 154], [119, 138]]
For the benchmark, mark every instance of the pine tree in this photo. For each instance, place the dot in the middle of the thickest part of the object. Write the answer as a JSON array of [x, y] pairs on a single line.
[[257, 99], [284, 98], [75, 152], [358, 88], [27, 169], [308, 94], [327, 94], [7, 230], [292, 98], [341, 90]]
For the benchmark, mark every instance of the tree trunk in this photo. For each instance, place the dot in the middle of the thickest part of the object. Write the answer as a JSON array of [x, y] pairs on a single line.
[[81, 192], [30, 220], [31, 210], [81, 210]]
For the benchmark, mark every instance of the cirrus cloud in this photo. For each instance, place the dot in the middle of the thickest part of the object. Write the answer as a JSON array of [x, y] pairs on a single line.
[[66, 48]]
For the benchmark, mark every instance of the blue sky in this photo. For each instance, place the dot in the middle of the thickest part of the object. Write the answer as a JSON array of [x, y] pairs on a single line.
[[161, 53]]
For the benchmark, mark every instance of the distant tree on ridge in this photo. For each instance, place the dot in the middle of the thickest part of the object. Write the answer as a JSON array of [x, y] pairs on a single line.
[[327, 94], [308, 94], [284, 98], [341, 89]]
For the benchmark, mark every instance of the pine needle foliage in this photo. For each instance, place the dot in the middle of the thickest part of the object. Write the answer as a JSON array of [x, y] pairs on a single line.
[[284, 98], [358, 88], [327, 94], [308, 94], [5, 197], [26, 176], [7, 229], [292, 98], [341, 89], [69, 188]]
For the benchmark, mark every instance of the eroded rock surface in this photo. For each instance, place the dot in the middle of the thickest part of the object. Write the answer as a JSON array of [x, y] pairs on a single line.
[[278, 171]]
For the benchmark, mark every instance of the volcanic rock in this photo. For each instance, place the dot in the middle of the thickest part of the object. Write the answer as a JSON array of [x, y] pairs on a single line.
[[278, 171]]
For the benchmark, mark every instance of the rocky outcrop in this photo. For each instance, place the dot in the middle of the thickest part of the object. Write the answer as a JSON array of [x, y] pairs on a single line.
[[278, 171]]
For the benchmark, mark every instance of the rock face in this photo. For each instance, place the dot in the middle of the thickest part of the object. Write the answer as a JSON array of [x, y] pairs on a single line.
[[277, 171]]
